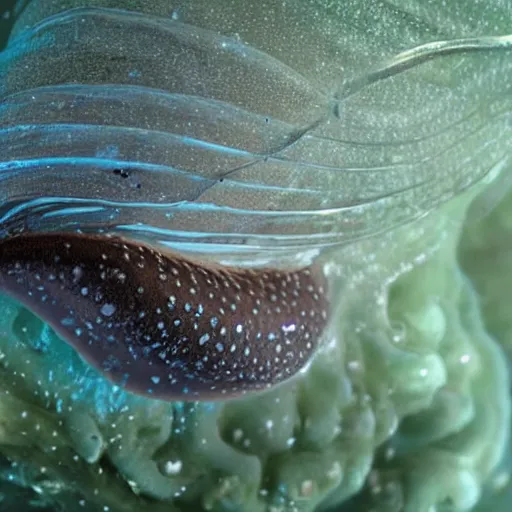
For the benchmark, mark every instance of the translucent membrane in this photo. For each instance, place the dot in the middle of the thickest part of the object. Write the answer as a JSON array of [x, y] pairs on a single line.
[[306, 124], [199, 141]]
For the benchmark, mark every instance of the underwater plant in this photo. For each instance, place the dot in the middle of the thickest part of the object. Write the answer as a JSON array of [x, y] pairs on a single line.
[[244, 255]]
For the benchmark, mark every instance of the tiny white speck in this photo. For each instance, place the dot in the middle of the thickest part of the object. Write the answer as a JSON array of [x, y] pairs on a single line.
[[108, 309], [289, 328], [173, 467], [465, 359]]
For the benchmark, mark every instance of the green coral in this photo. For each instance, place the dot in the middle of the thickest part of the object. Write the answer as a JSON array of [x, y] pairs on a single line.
[[406, 407]]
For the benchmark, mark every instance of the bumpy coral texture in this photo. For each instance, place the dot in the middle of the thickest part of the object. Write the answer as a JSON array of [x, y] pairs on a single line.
[[405, 408]]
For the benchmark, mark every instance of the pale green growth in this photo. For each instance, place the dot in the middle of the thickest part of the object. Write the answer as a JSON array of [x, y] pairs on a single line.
[[406, 405]]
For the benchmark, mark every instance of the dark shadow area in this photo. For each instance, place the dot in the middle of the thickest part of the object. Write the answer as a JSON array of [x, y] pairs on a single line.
[[7, 17]]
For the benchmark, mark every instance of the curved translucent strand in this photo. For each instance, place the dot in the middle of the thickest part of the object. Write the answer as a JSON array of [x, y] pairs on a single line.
[[221, 134], [93, 46]]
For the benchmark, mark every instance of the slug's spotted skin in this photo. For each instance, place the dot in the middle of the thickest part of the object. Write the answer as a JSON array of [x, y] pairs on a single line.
[[162, 325]]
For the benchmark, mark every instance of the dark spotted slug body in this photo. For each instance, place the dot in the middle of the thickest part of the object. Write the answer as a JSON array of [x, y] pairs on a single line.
[[162, 325]]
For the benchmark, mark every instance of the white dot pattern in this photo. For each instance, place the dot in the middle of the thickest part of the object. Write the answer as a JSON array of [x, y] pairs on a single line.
[[162, 325]]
